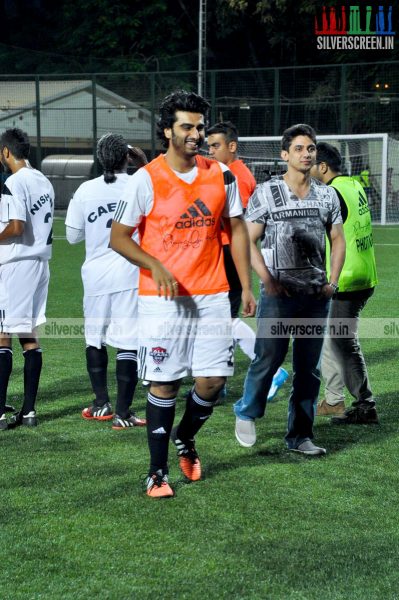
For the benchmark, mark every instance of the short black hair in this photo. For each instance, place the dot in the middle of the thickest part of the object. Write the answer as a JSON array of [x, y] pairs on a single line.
[[17, 141], [330, 155], [293, 132], [112, 152], [179, 100], [227, 128]]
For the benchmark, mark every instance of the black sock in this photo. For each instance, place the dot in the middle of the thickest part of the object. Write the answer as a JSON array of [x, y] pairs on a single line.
[[197, 412], [32, 370], [97, 363], [5, 372], [126, 377], [160, 415]]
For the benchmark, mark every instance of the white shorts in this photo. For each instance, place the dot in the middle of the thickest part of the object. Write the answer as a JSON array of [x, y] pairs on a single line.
[[23, 295], [189, 335], [111, 319]]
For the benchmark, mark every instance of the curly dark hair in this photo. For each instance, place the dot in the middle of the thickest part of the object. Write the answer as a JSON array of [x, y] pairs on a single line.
[[17, 141], [112, 150], [179, 100]]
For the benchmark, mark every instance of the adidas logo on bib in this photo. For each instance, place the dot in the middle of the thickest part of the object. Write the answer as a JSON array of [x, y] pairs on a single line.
[[197, 215]]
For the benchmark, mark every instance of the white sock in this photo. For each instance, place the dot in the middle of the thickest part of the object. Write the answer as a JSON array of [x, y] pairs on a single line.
[[244, 336]]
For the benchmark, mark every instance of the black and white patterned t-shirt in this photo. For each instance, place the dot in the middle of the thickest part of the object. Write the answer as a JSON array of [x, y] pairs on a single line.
[[294, 243]]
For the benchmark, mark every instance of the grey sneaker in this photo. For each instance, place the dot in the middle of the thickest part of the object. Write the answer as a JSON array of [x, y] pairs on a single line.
[[245, 432], [309, 449]]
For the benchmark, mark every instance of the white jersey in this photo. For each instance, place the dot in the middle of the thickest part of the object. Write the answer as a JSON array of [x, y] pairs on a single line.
[[91, 210], [27, 196]]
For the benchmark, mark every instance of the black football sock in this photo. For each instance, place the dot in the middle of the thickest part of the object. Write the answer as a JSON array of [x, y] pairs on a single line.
[[5, 372], [126, 377], [97, 363], [197, 412], [160, 415], [32, 370]]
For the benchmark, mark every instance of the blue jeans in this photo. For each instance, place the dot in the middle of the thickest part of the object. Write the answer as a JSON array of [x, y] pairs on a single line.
[[270, 353]]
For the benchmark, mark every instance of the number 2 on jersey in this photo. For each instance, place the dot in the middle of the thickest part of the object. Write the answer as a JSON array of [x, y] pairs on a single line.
[[50, 235]]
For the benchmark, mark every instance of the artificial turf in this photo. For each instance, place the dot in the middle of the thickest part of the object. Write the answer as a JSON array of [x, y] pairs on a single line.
[[262, 524]]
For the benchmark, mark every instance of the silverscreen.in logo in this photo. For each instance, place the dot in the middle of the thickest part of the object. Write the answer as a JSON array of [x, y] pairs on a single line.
[[354, 28]]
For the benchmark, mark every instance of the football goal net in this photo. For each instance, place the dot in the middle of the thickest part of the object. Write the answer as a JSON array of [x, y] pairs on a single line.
[[372, 158]]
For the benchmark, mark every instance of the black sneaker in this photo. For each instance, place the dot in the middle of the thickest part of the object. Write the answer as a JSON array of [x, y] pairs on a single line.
[[131, 421], [3, 423], [357, 415], [9, 408], [29, 420], [98, 413]]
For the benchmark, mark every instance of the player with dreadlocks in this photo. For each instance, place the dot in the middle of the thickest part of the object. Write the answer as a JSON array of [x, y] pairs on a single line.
[[109, 281]]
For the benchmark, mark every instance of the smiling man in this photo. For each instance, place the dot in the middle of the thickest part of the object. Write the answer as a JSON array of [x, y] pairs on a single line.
[[291, 214], [177, 203]]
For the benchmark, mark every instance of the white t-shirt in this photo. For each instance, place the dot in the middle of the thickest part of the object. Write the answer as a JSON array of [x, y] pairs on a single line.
[[90, 211], [27, 196], [138, 196]]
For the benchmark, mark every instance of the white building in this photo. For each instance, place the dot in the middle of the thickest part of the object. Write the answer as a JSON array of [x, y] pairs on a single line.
[[66, 113]]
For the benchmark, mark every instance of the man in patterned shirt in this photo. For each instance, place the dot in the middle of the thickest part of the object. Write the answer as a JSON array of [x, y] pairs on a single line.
[[292, 214]]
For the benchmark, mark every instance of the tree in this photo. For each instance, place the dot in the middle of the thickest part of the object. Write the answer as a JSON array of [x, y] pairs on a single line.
[[132, 35]]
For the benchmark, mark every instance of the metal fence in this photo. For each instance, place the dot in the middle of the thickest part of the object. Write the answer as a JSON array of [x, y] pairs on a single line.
[[66, 114]]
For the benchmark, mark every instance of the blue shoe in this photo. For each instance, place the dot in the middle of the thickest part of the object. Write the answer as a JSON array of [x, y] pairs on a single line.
[[280, 376]]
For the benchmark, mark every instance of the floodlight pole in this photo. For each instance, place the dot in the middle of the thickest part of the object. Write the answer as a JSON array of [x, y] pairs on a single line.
[[201, 47]]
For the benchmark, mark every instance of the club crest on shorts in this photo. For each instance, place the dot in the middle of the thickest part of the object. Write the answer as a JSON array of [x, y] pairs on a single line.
[[159, 354]]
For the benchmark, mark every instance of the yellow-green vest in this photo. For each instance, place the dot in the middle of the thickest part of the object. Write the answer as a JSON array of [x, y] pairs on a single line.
[[359, 271], [363, 178]]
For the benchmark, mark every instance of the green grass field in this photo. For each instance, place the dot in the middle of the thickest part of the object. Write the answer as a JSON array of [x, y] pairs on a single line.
[[262, 524]]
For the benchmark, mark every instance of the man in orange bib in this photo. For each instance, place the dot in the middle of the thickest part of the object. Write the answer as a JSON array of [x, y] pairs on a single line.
[[222, 146], [177, 203]]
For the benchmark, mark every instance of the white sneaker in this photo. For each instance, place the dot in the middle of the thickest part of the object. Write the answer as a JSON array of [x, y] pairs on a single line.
[[309, 449], [245, 432]]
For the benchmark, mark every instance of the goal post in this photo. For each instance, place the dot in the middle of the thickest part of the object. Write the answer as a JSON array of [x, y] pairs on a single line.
[[372, 158]]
